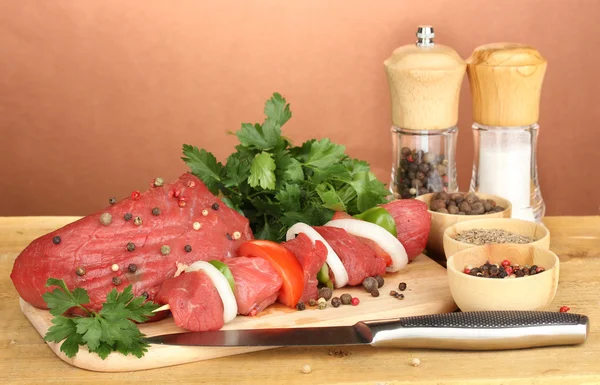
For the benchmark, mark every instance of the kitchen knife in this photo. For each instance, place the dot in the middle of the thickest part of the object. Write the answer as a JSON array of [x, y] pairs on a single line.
[[487, 330]]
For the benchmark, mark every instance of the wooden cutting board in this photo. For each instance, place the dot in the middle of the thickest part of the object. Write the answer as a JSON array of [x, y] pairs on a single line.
[[427, 293]]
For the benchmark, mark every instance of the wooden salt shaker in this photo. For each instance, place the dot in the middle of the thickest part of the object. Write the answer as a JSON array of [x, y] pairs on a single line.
[[506, 82], [424, 80]]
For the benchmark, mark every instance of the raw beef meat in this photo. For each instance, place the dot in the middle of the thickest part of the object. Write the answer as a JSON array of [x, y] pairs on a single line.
[[359, 259], [257, 284], [311, 257], [194, 301], [413, 222], [87, 250]]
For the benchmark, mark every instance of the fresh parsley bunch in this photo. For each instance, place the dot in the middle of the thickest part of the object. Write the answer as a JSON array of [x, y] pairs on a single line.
[[111, 329], [275, 184]]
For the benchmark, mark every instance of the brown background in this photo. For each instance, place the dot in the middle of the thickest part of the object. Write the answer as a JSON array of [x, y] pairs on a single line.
[[97, 97]]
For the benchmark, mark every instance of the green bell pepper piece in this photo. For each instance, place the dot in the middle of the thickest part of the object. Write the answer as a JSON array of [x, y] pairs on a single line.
[[379, 216], [225, 271], [323, 276]]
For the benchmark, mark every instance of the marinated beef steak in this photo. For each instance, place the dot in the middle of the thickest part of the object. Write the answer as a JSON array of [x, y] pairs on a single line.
[[413, 222], [101, 255], [257, 284], [359, 259], [311, 257], [194, 301]]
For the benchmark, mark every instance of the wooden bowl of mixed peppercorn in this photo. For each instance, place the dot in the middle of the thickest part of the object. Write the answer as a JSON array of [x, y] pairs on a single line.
[[479, 232], [446, 209], [503, 277]]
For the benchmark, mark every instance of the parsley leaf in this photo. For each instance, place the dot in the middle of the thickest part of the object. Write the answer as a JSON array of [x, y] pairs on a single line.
[[204, 165], [111, 329], [261, 171], [323, 153]]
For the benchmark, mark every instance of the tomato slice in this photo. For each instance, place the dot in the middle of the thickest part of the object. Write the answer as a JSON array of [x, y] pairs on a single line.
[[377, 249], [284, 262]]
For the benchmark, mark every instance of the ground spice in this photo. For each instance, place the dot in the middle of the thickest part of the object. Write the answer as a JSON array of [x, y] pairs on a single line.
[[488, 236]]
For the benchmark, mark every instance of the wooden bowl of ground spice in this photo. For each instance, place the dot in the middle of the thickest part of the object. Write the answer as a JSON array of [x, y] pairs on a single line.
[[479, 232], [476, 285], [442, 218]]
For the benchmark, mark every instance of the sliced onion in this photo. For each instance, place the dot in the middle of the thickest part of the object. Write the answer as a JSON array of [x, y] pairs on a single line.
[[334, 262], [230, 308], [378, 234]]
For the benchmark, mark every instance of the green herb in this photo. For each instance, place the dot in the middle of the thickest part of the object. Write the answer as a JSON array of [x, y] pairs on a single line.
[[275, 184], [110, 330]]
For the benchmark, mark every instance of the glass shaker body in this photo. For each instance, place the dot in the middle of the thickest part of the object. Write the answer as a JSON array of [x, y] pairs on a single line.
[[505, 165], [423, 161]]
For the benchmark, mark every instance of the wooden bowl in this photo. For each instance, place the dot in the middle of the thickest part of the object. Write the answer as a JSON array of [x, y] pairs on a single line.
[[527, 293], [538, 232], [440, 221]]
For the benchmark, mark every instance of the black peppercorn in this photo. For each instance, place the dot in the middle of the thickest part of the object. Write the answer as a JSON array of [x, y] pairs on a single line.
[[132, 267], [301, 306], [405, 151], [187, 248], [116, 281], [346, 299], [424, 168], [369, 284], [502, 273], [130, 246], [494, 270], [112, 201], [400, 296], [325, 293], [80, 271], [336, 302], [374, 293], [519, 273], [127, 216], [156, 211], [215, 206], [229, 236], [420, 175], [379, 280], [402, 286], [56, 240]]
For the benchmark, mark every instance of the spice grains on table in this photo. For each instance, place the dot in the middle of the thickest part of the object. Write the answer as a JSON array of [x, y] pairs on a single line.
[[25, 358]]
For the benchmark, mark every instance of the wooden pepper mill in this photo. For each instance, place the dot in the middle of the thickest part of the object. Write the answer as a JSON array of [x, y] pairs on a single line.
[[424, 80], [506, 82]]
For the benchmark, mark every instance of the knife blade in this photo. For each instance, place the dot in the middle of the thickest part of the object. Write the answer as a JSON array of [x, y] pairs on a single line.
[[486, 330]]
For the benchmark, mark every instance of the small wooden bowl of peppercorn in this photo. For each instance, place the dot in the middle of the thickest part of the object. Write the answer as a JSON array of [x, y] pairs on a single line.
[[447, 209], [479, 232], [503, 277]]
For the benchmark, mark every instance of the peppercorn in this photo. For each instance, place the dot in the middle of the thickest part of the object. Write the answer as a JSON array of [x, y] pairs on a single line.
[[400, 296], [502, 273], [156, 211], [116, 281], [533, 270], [130, 246], [379, 280], [215, 206], [393, 293], [471, 198], [187, 248], [369, 284], [204, 212], [405, 151], [56, 240], [322, 305], [423, 191], [196, 226], [136, 195], [106, 219], [312, 302], [336, 302], [137, 221], [441, 169], [132, 267], [452, 209], [539, 269], [158, 182], [346, 299], [355, 301], [321, 300], [420, 175], [437, 204], [112, 200], [402, 286], [519, 273], [411, 174], [145, 294], [325, 292], [165, 250], [127, 216], [80, 271], [237, 235], [300, 306], [424, 168], [564, 309], [374, 293]]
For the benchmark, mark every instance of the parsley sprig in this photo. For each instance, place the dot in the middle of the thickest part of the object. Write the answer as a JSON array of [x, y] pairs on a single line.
[[275, 184], [110, 330]]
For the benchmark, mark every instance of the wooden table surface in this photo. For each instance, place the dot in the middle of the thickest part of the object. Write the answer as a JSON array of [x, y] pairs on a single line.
[[25, 358]]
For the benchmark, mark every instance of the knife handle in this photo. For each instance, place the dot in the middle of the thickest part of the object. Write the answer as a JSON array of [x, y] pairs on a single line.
[[485, 330]]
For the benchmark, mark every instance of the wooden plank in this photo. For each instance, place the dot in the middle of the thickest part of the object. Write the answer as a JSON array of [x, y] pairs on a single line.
[[427, 293], [26, 359]]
